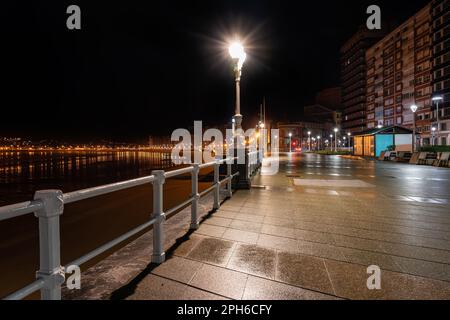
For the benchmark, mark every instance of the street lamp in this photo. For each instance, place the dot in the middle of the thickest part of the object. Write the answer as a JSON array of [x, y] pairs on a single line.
[[309, 141], [433, 130], [318, 142], [331, 143], [414, 109], [437, 99], [335, 139], [238, 55], [349, 134], [290, 142]]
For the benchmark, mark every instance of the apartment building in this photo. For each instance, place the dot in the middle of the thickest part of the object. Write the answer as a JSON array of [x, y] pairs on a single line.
[[441, 70], [353, 77], [399, 69]]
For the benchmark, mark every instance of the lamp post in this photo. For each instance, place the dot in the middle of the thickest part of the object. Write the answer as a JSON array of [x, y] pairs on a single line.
[[414, 109], [433, 130], [331, 144], [349, 134], [318, 143], [290, 142], [238, 55], [437, 99], [309, 141], [335, 138]]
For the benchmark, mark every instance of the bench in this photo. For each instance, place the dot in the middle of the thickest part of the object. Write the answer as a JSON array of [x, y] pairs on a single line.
[[390, 155], [443, 160], [404, 156], [427, 158]]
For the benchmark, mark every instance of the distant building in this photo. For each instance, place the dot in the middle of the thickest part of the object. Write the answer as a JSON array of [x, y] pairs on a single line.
[[353, 77], [399, 75], [440, 30], [327, 107]]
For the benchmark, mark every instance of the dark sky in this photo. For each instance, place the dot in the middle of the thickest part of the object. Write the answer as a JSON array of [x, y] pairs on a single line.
[[142, 67]]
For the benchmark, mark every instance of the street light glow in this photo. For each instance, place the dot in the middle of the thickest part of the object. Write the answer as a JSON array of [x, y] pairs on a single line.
[[336, 130], [437, 98], [237, 52], [290, 134], [413, 108]]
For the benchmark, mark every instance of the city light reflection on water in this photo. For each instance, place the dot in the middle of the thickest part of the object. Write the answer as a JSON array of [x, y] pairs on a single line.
[[23, 172]]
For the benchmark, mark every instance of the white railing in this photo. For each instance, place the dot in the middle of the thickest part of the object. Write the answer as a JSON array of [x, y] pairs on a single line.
[[48, 206]]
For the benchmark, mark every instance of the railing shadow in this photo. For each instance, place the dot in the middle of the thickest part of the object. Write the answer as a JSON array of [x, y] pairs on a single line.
[[129, 289]]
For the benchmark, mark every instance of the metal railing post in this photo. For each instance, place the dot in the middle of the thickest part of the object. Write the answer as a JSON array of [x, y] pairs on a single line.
[[195, 197], [159, 255], [229, 182], [217, 185], [50, 269]]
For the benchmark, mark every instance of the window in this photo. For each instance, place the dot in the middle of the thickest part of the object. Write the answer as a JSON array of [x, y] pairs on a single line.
[[389, 112], [389, 102]]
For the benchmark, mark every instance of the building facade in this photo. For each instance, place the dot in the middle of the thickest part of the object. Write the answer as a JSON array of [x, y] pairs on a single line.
[[353, 78], [441, 69], [399, 69]]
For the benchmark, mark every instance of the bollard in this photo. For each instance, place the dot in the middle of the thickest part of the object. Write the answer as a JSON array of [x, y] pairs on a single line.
[[216, 205], [195, 197], [229, 182], [50, 269], [159, 255]]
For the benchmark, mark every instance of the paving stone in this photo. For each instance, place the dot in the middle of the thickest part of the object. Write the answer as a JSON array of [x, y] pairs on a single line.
[[246, 225], [178, 269], [154, 287], [313, 236], [368, 258], [212, 250], [279, 231], [280, 243], [220, 281], [303, 271], [185, 247], [241, 236], [424, 268], [254, 260], [262, 289], [212, 231], [218, 221], [249, 217], [320, 250], [350, 281]]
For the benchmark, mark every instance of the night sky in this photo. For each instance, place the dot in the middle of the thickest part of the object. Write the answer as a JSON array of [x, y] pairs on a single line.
[[147, 67]]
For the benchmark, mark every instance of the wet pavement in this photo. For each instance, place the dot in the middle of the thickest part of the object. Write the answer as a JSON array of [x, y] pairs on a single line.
[[308, 232]]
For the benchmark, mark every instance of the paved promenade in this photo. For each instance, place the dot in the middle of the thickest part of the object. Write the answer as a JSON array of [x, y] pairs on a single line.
[[309, 232]]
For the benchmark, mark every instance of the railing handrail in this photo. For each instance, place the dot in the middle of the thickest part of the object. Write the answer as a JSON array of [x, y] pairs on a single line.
[[50, 206], [19, 209]]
